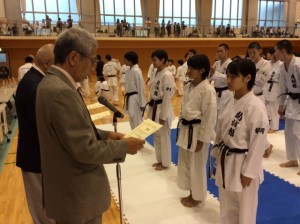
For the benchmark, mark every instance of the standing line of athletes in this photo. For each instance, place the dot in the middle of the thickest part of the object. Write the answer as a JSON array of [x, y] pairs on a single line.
[[240, 99]]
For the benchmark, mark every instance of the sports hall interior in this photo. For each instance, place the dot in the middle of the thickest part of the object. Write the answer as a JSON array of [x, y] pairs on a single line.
[[13, 204]]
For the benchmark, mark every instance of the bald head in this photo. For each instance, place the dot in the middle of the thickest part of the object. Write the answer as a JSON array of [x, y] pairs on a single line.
[[45, 57]]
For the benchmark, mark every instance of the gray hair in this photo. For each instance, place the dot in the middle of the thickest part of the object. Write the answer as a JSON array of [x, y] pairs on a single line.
[[73, 39]]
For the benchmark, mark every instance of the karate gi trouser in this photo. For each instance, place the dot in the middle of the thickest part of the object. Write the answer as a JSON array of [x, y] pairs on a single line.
[[180, 87], [134, 112], [85, 88], [239, 207], [114, 93], [292, 138], [262, 98], [272, 109], [34, 197], [162, 145], [191, 173]]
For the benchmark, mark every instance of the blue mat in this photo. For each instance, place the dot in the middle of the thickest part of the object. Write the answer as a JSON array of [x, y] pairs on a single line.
[[279, 201]]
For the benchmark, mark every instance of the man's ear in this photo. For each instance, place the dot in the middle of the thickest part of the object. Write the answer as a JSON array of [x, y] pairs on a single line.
[[72, 58]]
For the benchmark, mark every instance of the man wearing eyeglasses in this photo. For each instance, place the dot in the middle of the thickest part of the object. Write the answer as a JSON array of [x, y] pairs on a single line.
[[73, 150]]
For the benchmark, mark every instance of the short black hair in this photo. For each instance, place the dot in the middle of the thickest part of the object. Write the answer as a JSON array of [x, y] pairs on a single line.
[[193, 51], [271, 50], [200, 61], [255, 45], [98, 56], [226, 47], [236, 57], [244, 67], [160, 54], [29, 59], [132, 56], [286, 45], [108, 57], [180, 62]]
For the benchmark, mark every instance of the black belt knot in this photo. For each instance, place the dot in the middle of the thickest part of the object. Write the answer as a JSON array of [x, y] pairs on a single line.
[[126, 98], [153, 103], [220, 90], [226, 151], [294, 96], [191, 130]]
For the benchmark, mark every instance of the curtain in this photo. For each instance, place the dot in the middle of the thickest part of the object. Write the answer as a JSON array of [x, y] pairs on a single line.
[[23, 8], [78, 4]]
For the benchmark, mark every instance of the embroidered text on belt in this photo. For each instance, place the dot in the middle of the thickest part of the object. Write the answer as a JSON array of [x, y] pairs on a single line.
[[191, 129], [271, 84], [153, 103], [220, 90], [226, 151], [294, 96], [126, 98]]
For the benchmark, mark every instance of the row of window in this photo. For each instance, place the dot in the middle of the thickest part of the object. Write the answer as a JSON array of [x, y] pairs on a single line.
[[270, 12]]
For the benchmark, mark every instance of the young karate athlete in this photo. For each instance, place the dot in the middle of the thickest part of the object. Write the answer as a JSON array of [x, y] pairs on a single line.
[[160, 108], [241, 136], [134, 100], [197, 121]]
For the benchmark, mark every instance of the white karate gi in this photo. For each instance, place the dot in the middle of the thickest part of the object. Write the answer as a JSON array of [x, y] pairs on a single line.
[[124, 68], [135, 83], [162, 88], [242, 124], [220, 80], [102, 89], [263, 74], [151, 72], [290, 82], [84, 87], [199, 102], [271, 93], [110, 71], [181, 79]]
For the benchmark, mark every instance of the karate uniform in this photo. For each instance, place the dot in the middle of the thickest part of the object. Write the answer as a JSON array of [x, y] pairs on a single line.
[[199, 102], [220, 81], [110, 71], [102, 89], [84, 87], [181, 79], [290, 82], [271, 93], [124, 68], [242, 125], [263, 74], [133, 103], [151, 72], [162, 88]]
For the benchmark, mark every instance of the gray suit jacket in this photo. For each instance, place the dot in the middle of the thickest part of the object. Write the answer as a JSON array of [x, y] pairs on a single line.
[[76, 187]]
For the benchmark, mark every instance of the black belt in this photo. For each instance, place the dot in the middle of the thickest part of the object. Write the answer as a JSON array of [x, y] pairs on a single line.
[[271, 85], [191, 130], [294, 96], [226, 151], [153, 103], [126, 98], [258, 94], [106, 90], [111, 76], [220, 90]]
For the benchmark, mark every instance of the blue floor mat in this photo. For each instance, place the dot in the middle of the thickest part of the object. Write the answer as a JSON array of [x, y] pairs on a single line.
[[279, 201]]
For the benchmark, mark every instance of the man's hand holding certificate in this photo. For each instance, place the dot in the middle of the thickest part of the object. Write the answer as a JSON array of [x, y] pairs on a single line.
[[144, 129]]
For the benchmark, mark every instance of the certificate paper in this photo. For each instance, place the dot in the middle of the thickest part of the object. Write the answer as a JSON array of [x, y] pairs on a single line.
[[94, 106], [144, 129], [100, 115]]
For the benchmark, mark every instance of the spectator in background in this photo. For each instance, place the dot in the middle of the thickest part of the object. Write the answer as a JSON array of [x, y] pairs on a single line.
[[99, 68], [69, 22], [25, 68]]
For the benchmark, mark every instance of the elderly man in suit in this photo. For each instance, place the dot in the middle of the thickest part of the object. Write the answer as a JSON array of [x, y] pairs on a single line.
[[73, 151], [28, 151]]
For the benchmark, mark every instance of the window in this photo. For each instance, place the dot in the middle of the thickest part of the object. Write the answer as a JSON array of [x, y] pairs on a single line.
[[178, 11], [271, 13], [36, 10], [130, 10], [227, 12]]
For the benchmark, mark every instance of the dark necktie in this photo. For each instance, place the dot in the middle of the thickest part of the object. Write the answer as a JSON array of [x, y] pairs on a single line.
[[94, 127]]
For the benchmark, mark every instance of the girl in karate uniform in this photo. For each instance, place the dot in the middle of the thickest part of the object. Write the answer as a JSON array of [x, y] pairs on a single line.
[[241, 135], [196, 122]]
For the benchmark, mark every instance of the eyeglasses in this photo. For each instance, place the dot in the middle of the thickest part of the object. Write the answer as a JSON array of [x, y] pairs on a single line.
[[93, 60]]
